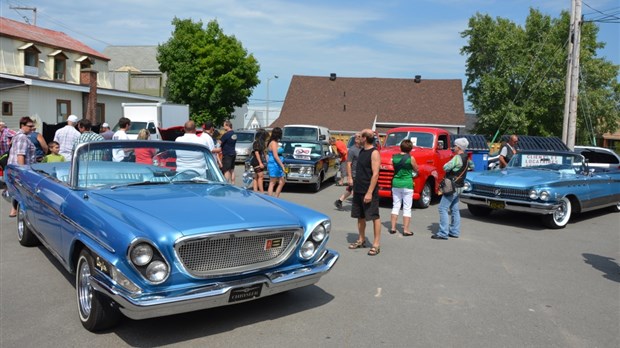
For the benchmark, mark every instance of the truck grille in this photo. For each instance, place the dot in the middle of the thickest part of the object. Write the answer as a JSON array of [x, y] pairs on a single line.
[[385, 178], [235, 252], [492, 191]]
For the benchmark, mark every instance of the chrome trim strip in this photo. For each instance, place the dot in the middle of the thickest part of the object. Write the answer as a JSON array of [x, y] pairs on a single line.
[[211, 294], [511, 204]]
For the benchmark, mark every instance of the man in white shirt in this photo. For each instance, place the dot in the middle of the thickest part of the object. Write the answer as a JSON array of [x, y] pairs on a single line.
[[118, 155], [66, 137], [191, 160], [207, 132]]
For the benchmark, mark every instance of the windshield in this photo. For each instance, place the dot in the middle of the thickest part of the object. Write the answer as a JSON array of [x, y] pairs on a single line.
[[245, 137], [300, 133], [300, 148], [418, 139], [551, 161], [121, 163]]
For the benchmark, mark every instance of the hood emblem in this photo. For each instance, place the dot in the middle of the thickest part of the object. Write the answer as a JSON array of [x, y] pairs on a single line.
[[497, 192]]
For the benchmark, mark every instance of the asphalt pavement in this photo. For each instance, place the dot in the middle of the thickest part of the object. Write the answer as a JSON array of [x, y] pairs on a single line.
[[507, 282]]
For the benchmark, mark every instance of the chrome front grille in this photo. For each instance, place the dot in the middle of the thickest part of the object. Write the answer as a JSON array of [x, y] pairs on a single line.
[[236, 252], [504, 192]]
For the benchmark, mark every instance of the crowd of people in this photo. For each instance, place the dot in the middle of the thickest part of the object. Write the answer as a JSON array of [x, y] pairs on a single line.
[[359, 167]]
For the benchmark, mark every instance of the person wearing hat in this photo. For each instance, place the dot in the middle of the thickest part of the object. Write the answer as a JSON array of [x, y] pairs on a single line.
[[66, 137], [106, 132], [456, 169]]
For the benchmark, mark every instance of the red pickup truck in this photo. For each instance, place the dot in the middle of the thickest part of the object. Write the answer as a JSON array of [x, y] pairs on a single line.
[[431, 150]]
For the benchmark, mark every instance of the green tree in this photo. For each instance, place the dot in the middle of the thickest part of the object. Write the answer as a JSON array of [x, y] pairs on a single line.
[[516, 77], [207, 69]]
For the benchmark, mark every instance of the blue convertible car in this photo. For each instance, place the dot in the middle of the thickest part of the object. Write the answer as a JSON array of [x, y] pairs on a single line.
[[552, 184], [151, 228]]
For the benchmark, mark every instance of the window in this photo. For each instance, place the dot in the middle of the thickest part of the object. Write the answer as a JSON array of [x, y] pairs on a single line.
[[31, 57], [99, 113], [63, 109], [7, 109], [60, 67]]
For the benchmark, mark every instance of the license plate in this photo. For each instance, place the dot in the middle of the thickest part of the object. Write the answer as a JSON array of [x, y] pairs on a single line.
[[497, 205], [245, 293]]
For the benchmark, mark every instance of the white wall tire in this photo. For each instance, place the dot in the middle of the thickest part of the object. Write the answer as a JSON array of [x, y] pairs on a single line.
[[560, 217]]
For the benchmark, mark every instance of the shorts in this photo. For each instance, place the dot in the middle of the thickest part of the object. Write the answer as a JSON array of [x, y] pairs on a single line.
[[366, 211], [228, 162], [349, 187], [258, 169]]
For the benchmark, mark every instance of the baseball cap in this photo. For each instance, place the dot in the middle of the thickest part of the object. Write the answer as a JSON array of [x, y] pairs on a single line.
[[72, 118], [105, 125]]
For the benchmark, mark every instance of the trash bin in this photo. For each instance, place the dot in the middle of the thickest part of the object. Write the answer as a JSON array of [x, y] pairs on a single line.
[[477, 151]]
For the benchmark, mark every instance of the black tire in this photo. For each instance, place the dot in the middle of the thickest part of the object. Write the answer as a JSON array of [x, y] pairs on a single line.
[[615, 208], [425, 197], [560, 217], [316, 187], [24, 234], [94, 309], [477, 210]]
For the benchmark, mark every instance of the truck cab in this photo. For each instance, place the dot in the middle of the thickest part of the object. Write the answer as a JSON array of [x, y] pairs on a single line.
[[431, 150]]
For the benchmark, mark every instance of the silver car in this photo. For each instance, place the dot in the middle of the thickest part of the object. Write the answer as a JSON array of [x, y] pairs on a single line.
[[245, 139]]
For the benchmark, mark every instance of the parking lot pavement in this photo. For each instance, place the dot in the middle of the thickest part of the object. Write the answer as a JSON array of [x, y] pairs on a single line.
[[507, 282]]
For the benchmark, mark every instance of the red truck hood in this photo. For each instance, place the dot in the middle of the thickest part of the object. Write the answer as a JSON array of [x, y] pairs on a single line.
[[420, 153]]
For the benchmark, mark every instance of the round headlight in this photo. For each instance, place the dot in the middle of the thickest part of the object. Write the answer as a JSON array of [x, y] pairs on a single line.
[[544, 195], [533, 194], [157, 271], [319, 234], [141, 254], [307, 249], [467, 186]]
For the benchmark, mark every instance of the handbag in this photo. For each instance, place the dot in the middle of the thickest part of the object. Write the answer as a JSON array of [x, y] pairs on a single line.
[[447, 185]]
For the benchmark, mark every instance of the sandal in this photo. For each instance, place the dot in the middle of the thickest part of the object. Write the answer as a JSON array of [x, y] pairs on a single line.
[[407, 234], [358, 244], [374, 251]]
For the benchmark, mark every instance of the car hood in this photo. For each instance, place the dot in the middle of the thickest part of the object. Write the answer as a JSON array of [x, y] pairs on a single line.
[[193, 209], [519, 177]]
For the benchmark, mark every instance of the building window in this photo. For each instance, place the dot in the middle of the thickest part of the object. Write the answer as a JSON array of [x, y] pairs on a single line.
[[31, 57], [7, 109], [63, 109], [100, 113], [60, 67]]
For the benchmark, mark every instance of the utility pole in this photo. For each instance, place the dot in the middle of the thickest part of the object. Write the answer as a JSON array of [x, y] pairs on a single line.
[[571, 121], [569, 69], [33, 9], [267, 108]]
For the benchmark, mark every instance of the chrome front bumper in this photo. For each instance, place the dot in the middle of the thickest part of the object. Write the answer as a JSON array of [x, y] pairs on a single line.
[[510, 204], [216, 294]]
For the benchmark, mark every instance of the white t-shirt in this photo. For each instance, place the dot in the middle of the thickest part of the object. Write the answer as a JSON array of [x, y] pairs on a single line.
[[209, 139], [119, 154], [191, 160]]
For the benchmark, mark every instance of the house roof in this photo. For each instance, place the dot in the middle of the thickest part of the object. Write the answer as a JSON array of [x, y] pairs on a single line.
[[45, 37], [348, 103], [143, 58]]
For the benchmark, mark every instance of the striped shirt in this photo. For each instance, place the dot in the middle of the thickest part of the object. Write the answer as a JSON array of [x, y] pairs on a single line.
[[65, 137], [22, 146], [88, 137]]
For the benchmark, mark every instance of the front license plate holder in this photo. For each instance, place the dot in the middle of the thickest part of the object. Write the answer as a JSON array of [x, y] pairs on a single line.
[[245, 293], [497, 205]]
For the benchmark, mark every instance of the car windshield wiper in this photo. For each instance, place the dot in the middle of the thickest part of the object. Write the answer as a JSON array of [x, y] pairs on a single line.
[[141, 183]]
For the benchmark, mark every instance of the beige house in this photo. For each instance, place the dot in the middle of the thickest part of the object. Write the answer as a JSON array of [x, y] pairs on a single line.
[[49, 75]]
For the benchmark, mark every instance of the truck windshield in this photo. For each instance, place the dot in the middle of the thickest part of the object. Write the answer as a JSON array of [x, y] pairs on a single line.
[[134, 127], [418, 139], [300, 133], [245, 137]]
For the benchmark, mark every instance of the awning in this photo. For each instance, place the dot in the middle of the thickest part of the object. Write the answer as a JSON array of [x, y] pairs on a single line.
[[29, 45], [57, 52]]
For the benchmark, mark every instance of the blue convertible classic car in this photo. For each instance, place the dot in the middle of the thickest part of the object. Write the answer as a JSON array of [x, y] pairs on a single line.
[[151, 228], [552, 184]]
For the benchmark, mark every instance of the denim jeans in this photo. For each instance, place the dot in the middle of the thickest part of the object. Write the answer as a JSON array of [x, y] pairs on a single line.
[[447, 226]]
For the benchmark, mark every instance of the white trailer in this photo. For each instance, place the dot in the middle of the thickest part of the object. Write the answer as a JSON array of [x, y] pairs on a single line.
[[153, 117]]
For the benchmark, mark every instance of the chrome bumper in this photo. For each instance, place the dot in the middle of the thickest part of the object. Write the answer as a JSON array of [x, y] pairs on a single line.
[[216, 294], [510, 204]]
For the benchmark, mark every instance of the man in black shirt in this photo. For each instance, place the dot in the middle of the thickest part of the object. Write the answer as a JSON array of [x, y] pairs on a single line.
[[365, 203]]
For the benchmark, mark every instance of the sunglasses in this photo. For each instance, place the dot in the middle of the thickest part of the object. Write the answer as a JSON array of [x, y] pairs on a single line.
[[30, 125]]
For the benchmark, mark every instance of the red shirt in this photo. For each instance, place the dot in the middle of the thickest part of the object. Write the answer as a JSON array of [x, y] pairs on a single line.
[[342, 150], [144, 155]]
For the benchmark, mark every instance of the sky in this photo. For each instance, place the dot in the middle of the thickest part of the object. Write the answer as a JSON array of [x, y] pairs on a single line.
[[352, 38]]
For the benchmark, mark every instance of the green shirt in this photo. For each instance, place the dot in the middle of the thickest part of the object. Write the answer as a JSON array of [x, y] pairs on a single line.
[[53, 158], [404, 177]]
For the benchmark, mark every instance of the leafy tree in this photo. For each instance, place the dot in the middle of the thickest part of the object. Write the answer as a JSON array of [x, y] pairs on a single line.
[[207, 69], [516, 77]]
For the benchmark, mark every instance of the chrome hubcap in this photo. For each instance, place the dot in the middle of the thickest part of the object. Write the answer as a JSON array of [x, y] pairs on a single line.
[[85, 291]]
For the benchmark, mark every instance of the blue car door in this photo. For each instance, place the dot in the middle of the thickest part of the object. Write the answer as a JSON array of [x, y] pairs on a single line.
[[49, 217]]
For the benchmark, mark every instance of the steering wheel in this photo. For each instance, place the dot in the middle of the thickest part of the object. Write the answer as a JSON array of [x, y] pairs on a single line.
[[185, 175]]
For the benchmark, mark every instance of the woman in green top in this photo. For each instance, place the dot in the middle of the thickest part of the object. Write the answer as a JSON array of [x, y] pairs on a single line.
[[402, 185]]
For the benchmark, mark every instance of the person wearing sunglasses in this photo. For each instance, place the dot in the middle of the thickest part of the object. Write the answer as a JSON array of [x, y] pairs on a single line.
[[22, 150]]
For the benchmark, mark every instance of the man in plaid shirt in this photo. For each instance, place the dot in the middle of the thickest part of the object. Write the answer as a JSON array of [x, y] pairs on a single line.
[[66, 136], [87, 136], [5, 137]]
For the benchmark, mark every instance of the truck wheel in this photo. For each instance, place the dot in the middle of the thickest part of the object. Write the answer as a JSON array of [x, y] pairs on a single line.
[[425, 197], [317, 186]]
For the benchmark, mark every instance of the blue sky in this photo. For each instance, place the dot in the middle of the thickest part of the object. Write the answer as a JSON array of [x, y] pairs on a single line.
[[388, 38]]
